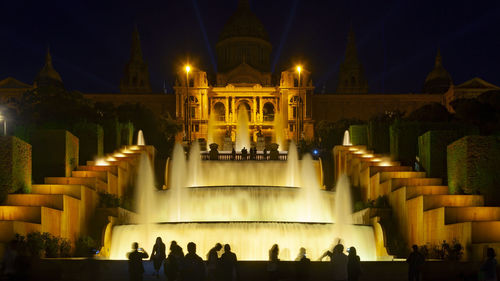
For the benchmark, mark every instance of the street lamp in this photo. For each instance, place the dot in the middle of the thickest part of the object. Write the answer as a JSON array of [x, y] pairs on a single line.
[[4, 124], [299, 107], [187, 68]]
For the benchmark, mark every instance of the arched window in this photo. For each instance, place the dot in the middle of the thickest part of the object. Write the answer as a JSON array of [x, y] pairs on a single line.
[[246, 107], [295, 82], [268, 111], [219, 111]]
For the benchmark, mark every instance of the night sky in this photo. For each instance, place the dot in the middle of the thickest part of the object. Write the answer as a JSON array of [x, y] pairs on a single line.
[[397, 40]]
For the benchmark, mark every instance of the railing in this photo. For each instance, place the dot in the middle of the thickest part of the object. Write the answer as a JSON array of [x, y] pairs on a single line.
[[227, 156]]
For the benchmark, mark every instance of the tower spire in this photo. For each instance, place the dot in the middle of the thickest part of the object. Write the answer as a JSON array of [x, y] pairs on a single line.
[[136, 50], [135, 75], [243, 4], [351, 74]]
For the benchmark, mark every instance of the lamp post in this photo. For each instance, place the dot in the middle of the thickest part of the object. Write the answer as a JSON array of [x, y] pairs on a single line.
[[299, 107], [188, 104], [4, 124]]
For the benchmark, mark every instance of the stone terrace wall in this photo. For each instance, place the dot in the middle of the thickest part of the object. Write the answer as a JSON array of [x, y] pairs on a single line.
[[15, 165], [473, 163]]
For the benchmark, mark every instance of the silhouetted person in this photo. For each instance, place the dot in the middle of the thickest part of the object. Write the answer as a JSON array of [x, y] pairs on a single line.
[[233, 154], [228, 263], [193, 266], [9, 268], [173, 262], [339, 262], [213, 262], [264, 153], [302, 266], [244, 153], [353, 265], [415, 262], [135, 267], [489, 267], [273, 264], [158, 255]]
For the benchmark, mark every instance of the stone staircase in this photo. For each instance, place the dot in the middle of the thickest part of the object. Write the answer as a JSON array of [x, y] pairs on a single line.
[[66, 206], [423, 209]]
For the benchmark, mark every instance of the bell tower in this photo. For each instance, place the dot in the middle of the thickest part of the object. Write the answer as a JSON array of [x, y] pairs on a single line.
[[135, 75]]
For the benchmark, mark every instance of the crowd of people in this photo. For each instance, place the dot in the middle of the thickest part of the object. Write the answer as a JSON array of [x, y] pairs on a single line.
[[191, 267]]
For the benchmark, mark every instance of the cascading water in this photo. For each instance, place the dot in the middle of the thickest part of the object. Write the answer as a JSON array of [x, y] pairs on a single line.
[[343, 204], [292, 175], [140, 138], [194, 164], [279, 131], [145, 193], [177, 182], [242, 130], [347, 139], [211, 129], [248, 204]]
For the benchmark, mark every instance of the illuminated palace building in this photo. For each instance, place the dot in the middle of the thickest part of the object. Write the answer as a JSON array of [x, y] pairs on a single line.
[[279, 107], [244, 84]]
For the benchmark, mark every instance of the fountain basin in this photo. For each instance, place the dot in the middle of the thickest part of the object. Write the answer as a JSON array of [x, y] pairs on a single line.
[[249, 240]]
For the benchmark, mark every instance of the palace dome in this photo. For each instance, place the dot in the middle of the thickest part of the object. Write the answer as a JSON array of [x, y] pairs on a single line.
[[438, 81], [244, 23]]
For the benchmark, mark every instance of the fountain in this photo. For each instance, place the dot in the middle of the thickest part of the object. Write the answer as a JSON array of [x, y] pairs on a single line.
[[140, 138], [211, 129], [242, 130], [347, 139], [250, 205]]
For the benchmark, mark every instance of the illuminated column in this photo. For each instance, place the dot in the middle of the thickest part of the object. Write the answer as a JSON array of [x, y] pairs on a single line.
[[254, 110], [261, 114], [226, 119], [233, 110]]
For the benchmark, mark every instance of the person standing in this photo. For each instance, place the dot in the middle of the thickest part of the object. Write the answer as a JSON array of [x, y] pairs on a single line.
[[489, 267], [302, 265], [339, 262], [273, 264], [353, 265], [135, 267], [173, 262], [213, 262], [193, 266], [158, 255], [228, 262], [415, 262]]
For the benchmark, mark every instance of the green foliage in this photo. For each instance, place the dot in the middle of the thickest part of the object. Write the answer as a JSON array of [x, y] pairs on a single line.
[[358, 134], [91, 137], [381, 202], [44, 244], [84, 245], [445, 251], [482, 113], [107, 200], [432, 112], [360, 205]]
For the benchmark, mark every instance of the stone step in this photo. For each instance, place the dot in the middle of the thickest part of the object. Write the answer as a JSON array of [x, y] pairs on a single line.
[[384, 176], [93, 183], [414, 191], [73, 190], [485, 232], [471, 214], [102, 175], [379, 169], [396, 183], [437, 201], [12, 227], [32, 214], [110, 168], [53, 201]]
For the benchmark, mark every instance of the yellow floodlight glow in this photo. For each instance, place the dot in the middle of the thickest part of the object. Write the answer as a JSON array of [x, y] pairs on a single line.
[[376, 160], [118, 154], [368, 156], [134, 147], [299, 68], [110, 158], [188, 68], [101, 162], [353, 149]]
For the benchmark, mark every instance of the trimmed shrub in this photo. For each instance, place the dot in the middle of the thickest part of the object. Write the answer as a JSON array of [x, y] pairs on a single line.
[[15, 166], [91, 138], [358, 134]]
